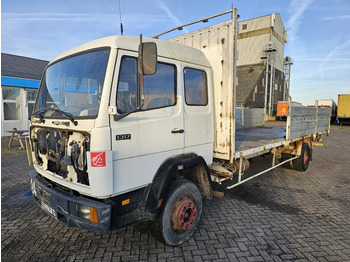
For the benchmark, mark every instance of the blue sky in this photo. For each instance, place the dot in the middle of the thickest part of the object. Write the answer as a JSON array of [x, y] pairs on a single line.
[[318, 31]]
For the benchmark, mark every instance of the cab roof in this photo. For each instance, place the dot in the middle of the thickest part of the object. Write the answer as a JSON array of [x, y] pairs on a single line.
[[165, 49]]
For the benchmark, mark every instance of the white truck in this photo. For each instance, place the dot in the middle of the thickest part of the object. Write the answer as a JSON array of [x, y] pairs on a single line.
[[124, 132], [331, 104]]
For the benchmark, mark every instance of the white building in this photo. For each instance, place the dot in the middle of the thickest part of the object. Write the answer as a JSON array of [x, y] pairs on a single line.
[[20, 79]]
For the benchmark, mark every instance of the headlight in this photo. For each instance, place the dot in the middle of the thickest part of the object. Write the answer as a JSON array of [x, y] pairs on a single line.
[[86, 213]]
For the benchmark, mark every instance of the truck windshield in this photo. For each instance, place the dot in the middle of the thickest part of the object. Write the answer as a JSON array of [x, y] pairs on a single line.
[[73, 86]]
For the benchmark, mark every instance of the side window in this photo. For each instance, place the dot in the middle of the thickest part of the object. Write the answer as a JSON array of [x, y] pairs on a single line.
[[127, 86], [195, 87], [159, 89]]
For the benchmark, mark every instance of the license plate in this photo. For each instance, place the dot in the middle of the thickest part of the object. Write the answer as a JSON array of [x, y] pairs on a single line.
[[48, 209]]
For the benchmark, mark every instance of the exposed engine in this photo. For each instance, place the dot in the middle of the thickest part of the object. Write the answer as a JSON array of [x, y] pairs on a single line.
[[63, 153]]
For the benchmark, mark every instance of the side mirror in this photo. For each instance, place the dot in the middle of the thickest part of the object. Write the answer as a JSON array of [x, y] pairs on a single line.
[[147, 58]]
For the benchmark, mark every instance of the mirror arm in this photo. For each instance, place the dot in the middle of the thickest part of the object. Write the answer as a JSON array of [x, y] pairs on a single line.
[[141, 71], [140, 78]]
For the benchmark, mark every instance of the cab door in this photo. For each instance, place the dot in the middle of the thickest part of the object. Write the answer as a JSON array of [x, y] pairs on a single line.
[[198, 111], [143, 140]]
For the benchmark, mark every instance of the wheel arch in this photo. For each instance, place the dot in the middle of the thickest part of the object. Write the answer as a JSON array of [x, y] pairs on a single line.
[[189, 166]]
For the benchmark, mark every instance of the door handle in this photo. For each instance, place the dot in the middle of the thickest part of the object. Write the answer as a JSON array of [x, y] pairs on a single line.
[[177, 131]]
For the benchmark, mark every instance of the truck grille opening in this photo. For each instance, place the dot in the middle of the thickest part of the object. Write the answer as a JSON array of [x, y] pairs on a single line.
[[65, 152]]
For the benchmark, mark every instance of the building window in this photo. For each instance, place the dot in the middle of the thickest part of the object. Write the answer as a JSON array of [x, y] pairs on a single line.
[[12, 111], [11, 101], [244, 26], [31, 95], [11, 93], [195, 87]]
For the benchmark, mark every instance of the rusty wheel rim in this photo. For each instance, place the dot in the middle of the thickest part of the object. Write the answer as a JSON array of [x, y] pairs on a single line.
[[184, 214]]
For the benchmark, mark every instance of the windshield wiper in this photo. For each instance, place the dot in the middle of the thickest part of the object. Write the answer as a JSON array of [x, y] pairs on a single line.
[[42, 111], [121, 116]]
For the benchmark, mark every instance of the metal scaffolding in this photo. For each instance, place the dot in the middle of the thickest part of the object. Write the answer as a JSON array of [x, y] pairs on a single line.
[[270, 51], [287, 67]]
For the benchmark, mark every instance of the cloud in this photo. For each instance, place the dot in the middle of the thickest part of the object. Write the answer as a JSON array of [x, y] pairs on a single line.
[[26, 17], [337, 59], [78, 17], [43, 35], [170, 14], [339, 17], [296, 10]]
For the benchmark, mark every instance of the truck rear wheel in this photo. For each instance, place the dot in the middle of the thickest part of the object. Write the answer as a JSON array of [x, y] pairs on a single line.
[[302, 162], [180, 213]]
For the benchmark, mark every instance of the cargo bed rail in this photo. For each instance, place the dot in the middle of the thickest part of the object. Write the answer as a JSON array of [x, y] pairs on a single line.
[[203, 20]]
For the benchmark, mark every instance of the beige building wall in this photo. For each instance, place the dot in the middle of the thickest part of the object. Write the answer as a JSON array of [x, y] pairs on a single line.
[[254, 34]]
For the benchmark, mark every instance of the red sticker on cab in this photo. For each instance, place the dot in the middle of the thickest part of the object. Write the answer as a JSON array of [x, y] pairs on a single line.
[[98, 159]]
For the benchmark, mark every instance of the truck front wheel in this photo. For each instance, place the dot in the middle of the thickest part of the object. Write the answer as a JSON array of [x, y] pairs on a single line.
[[180, 213]]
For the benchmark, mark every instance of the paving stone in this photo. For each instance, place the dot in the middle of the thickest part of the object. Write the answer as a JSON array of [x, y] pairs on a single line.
[[283, 215]]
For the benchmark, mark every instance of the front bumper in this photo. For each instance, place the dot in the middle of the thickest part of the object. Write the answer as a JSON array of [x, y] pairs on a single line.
[[63, 206]]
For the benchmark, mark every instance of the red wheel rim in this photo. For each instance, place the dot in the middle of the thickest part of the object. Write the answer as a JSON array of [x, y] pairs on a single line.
[[184, 214], [306, 157]]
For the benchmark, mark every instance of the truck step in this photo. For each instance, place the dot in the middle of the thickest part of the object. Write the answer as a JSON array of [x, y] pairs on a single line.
[[221, 171]]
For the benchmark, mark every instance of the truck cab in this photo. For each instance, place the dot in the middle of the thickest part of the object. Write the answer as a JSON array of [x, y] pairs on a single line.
[[105, 147]]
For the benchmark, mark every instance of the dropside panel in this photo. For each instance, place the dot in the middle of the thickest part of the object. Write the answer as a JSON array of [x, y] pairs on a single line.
[[304, 121]]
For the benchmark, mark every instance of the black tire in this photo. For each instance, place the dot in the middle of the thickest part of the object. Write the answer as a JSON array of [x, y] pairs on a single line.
[[302, 162], [175, 225]]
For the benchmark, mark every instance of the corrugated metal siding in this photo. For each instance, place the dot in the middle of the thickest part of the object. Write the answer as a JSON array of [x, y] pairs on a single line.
[[255, 24], [343, 106], [279, 55], [278, 25], [251, 49], [252, 40]]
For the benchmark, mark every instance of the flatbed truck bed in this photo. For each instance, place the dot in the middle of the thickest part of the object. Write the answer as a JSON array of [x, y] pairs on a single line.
[[256, 137], [303, 126]]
